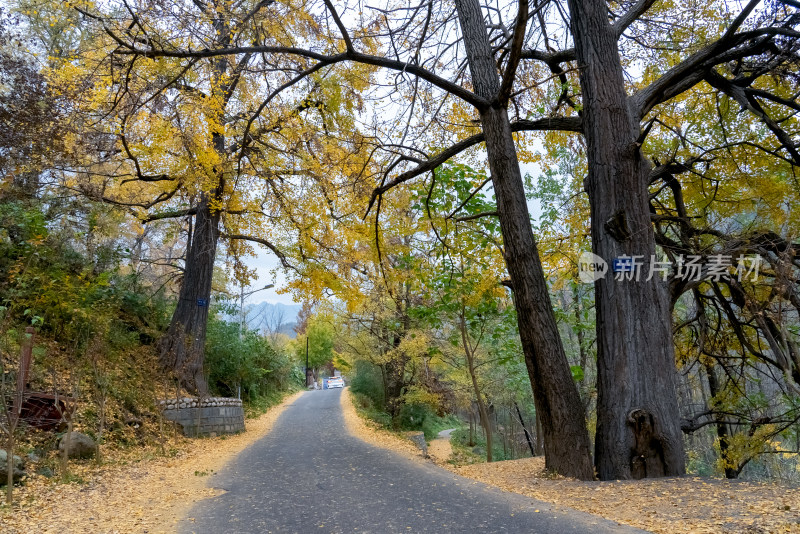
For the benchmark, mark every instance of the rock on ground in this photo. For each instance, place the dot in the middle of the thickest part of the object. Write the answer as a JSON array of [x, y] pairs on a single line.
[[80, 445], [18, 467]]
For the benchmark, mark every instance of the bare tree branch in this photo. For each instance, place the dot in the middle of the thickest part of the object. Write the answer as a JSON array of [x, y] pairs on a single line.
[[261, 241], [571, 124], [516, 49], [632, 15]]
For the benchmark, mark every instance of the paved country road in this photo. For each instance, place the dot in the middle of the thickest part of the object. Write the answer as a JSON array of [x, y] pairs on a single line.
[[310, 475]]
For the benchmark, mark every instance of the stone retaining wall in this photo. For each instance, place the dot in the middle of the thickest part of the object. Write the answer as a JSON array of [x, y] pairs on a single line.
[[205, 417]]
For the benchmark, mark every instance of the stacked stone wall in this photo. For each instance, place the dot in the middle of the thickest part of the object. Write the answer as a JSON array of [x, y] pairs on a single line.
[[205, 417]]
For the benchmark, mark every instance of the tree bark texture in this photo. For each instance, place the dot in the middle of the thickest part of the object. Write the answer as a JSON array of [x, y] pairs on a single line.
[[566, 440], [539, 438], [395, 385], [638, 431], [182, 349]]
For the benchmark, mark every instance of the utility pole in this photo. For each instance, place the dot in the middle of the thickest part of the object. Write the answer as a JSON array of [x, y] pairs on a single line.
[[306, 359]]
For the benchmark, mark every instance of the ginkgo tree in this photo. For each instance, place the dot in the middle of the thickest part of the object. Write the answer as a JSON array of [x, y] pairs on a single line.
[[721, 190], [221, 145]]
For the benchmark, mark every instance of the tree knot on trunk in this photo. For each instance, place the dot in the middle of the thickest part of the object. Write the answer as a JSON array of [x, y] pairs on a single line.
[[647, 454], [632, 149], [617, 226]]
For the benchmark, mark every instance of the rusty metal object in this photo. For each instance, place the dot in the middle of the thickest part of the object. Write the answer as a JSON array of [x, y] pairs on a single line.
[[39, 410], [45, 411]]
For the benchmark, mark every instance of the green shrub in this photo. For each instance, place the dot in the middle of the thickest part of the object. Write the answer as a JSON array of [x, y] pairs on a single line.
[[412, 415], [365, 379], [365, 406], [246, 361]]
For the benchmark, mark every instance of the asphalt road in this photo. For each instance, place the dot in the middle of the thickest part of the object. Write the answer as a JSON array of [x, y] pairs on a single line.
[[310, 475]]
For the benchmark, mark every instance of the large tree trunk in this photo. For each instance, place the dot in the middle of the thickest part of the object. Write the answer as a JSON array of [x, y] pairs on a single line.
[[638, 432], [566, 440], [182, 348]]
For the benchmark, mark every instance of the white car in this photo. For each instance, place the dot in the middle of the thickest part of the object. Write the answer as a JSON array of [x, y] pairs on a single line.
[[335, 382]]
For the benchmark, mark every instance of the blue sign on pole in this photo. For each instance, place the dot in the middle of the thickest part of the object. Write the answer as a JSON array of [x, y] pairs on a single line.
[[202, 303]]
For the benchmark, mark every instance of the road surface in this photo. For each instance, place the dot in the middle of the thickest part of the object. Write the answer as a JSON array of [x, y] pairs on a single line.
[[310, 475]]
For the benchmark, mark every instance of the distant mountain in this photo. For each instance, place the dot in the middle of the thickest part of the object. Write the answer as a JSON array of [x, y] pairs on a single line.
[[271, 318]]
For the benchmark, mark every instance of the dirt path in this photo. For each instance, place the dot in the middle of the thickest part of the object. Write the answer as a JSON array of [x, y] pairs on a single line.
[[440, 448], [146, 497]]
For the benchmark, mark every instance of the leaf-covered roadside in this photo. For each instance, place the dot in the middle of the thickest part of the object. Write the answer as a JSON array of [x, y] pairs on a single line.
[[666, 505], [137, 492]]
